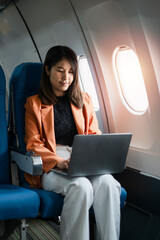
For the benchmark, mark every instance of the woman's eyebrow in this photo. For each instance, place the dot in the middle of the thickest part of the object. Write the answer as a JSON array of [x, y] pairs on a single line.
[[59, 67]]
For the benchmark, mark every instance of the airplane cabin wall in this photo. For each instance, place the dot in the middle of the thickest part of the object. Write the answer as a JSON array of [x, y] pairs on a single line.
[[16, 45], [108, 25]]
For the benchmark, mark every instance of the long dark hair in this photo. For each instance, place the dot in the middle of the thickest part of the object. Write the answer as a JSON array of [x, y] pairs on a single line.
[[53, 56]]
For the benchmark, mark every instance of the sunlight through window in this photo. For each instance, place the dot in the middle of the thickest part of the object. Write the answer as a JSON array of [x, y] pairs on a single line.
[[86, 81], [130, 79]]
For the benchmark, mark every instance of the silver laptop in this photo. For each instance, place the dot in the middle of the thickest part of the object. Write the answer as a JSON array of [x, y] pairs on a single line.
[[97, 154]]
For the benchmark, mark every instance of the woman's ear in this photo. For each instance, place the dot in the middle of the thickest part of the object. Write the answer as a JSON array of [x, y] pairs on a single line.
[[47, 71]]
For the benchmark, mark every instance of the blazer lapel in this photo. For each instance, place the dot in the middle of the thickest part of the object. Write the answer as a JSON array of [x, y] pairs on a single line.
[[78, 118], [48, 125]]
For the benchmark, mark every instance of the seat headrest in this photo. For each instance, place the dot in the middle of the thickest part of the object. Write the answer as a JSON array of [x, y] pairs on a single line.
[[26, 78]]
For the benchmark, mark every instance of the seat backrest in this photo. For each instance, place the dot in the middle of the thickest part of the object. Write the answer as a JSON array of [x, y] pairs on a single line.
[[4, 157], [24, 82]]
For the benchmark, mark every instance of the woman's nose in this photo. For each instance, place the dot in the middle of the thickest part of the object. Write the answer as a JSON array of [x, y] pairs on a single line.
[[65, 76]]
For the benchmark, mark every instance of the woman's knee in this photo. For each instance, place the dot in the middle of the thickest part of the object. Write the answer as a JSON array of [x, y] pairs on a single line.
[[82, 187], [106, 181], [110, 182]]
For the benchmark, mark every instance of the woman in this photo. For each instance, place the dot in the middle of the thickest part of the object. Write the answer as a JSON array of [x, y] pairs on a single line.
[[53, 117]]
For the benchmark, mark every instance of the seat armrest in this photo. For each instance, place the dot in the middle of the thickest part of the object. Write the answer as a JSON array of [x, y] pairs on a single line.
[[27, 162]]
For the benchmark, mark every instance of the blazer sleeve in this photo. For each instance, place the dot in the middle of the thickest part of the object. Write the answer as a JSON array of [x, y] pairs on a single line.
[[34, 136], [91, 122]]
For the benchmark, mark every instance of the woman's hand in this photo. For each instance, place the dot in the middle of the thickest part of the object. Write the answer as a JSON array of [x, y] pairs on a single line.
[[63, 164]]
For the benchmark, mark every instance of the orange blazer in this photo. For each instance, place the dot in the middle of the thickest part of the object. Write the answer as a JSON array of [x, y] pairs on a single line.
[[40, 135]]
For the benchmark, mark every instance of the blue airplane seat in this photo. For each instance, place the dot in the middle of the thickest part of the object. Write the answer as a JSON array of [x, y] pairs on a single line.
[[15, 202], [24, 82], [123, 197]]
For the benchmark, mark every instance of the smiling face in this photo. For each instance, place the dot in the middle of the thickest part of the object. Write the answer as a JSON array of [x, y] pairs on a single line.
[[61, 77]]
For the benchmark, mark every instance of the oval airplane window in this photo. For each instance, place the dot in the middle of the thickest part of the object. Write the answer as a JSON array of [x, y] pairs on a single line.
[[86, 80], [130, 79]]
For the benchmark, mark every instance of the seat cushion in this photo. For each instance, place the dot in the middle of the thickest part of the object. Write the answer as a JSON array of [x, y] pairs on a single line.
[[50, 202], [123, 197], [17, 202]]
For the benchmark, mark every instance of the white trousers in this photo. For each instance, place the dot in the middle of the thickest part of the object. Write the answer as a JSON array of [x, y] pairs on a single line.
[[103, 192]]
